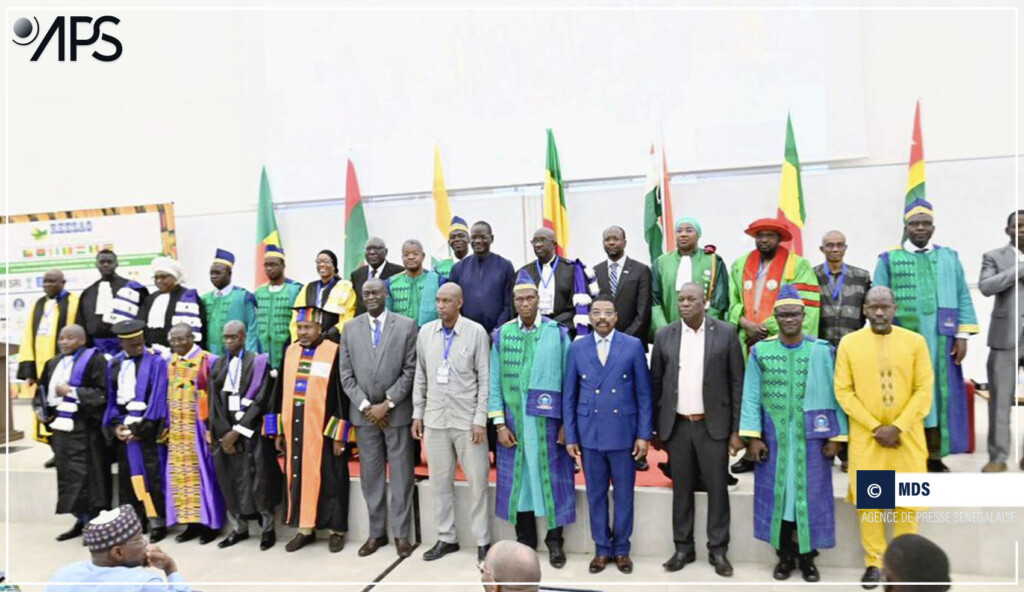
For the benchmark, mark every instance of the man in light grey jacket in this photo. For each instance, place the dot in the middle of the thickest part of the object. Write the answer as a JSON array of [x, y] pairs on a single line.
[[377, 362], [450, 413], [1001, 273]]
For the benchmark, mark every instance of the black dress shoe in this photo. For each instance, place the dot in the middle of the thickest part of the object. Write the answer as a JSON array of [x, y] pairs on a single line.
[[74, 532], [742, 466], [678, 560], [937, 466], [371, 545], [336, 542], [809, 570], [209, 535], [783, 568], [439, 550], [721, 563], [157, 534], [232, 539], [299, 541], [871, 577], [192, 531], [731, 481], [481, 552], [267, 540], [50, 463], [666, 469], [556, 556]]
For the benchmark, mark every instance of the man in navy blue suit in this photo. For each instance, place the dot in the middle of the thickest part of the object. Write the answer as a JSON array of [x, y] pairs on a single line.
[[607, 409]]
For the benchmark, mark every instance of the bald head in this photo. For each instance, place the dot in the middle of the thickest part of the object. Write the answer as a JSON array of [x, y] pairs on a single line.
[[71, 338], [449, 304], [451, 290], [544, 244], [233, 336], [53, 282], [180, 339], [833, 246], [509, 561], [375, 251], [880, 294]]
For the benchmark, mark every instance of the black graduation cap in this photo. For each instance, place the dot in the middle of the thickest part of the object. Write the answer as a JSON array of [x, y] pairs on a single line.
[[129, 328]]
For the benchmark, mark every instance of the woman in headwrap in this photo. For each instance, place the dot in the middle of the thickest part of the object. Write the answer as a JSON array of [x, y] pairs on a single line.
[[335, 296], [171, 304]]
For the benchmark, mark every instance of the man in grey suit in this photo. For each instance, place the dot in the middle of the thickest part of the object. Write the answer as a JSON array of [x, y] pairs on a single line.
[[697, 379], [1001, 271], [377, 363]]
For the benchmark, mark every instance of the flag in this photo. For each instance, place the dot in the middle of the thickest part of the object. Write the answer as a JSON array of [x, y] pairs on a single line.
[[791, 192], [666, 202], [915, 179], [442, 208], [266, 226], [356, 234], [555, 215], [652, 210]]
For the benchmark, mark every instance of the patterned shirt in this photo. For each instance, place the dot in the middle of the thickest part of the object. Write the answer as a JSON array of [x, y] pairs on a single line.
[[842, 301]]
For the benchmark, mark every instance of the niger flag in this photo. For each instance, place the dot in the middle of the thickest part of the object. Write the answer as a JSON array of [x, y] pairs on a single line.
[[556, 217], [791, 192]]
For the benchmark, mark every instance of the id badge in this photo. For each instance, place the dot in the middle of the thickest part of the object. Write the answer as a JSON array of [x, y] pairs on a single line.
[[234, 403], [547, 302], [443, 371]]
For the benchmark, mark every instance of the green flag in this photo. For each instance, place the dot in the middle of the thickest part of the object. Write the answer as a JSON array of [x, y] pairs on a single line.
[[652, 210]]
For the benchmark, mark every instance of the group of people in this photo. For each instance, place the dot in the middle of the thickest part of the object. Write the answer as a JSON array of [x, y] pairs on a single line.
[[770, 356]]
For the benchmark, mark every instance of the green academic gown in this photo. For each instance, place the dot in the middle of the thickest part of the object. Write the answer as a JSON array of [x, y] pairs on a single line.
[[785, 268], [237, 305], [708, 270]]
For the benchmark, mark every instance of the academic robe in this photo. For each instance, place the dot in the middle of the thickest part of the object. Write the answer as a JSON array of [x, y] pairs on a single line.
[[789, 402], [193, 494], [83, 473], [311, 412], [486, 284], [707, 269], [526, 370], [237, 305], [183, 306], [934, 300], [444, 267], [140, 463], [785, 268], [274, 326], [39, 341], [337, 298], [902, 399], [97, 319], [249, 479], [563, 278], [414, 297]]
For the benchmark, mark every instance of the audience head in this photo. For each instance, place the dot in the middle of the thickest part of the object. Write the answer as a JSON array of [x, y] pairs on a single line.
[[510, 561], [913, 558], [114, 538]]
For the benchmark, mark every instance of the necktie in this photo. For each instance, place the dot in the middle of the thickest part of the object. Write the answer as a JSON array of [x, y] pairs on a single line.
[[602, 350], [376, 332], [613, 277]]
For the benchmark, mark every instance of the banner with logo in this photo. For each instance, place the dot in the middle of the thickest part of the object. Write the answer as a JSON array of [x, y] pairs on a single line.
[[69, 241]]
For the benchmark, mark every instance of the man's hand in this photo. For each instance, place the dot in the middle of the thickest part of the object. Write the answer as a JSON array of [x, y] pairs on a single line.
[[122, 432], [31, 382], [158, 558], [505, 436], [62, 389], [831, 449], [959, 350], [339, 447], [757, 449], [229, 439], [417, 429], [561, 435], [574, 451], [640, 448], [736, 444], [755, 331], [478, 434], [888, 436], [657, 443], [279, 443], [378, 414]]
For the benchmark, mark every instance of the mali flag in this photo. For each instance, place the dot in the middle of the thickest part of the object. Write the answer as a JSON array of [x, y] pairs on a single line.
[[266, 226], [652, 210], [556, 217], [791, 192], [442, 207], [356, 234]]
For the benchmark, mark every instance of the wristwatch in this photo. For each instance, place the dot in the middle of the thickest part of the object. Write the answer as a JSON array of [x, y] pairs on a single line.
[[391, 404]]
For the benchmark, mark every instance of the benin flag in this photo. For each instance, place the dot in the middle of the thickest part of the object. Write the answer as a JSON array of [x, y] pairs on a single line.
[[555, 215], [652, 210], [791, 192], [356, 234], [915, 180], [442, 208], [266, 226]]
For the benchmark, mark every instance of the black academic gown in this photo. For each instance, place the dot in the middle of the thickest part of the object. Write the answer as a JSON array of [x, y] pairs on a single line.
[[158, 335], [95, 327], [83, 473], [564, 280], [250, 479]]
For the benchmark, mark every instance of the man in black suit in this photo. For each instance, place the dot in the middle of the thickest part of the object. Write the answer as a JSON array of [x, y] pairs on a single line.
[[627, 281], [377, 266], [555, 278], [697, 378]]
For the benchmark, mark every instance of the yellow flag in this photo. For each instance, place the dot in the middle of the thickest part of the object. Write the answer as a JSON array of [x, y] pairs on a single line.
[[442, 209]]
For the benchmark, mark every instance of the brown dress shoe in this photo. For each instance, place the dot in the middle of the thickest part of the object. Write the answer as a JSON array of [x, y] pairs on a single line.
[[336, 543], [598, 563], [994, 467], [404, 547], [371, 545], [624, 563], [299, 541]]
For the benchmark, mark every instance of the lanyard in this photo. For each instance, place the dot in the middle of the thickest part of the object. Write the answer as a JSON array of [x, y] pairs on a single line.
[[234, 380], [838, 289], [447, 338], [540, 273], [320, 287]]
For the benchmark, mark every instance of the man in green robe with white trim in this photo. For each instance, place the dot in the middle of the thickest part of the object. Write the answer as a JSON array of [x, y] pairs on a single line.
[[411, 293], [688, 263], [274, 300], [933, 299], [227, 302]]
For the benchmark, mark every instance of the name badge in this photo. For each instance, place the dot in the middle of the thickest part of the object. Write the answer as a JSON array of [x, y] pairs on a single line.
[[443, 372], [234, 403], [547, 302], [321, 369]]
